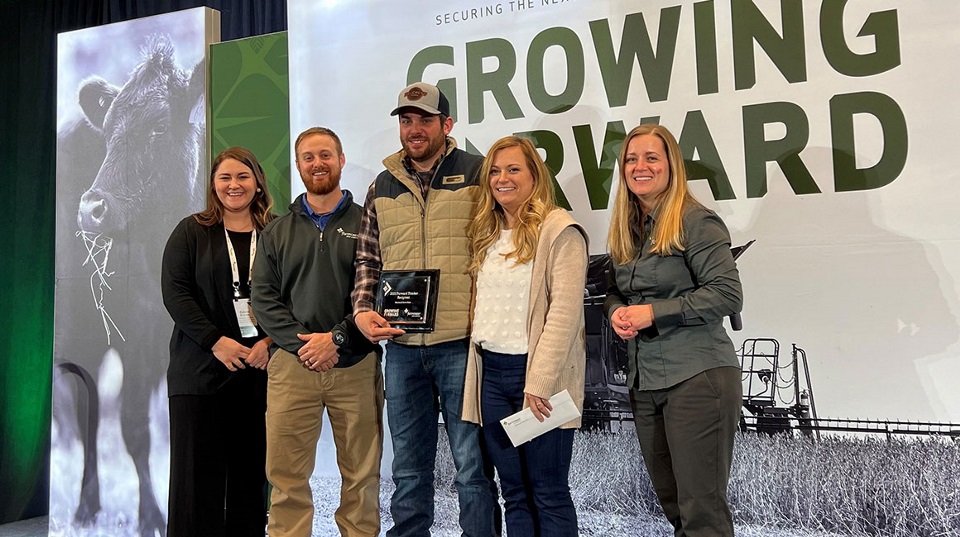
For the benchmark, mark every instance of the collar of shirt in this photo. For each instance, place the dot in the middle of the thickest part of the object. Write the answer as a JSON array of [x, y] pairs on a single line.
[[644, 224], [321, 219]]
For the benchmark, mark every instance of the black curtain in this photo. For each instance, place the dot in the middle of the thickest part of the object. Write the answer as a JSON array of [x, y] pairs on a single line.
[[28, 37]]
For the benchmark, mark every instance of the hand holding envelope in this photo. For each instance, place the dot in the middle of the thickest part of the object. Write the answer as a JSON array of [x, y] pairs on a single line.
[[524, 426]]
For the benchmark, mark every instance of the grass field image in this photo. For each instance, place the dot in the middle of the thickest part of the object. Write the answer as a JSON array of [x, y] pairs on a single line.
[[781, 485]]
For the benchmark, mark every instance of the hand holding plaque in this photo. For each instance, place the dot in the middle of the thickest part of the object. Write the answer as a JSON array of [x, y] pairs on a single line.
[[408, 298]]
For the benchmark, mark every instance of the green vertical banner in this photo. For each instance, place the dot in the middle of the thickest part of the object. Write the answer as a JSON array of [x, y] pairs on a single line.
[[249, 105]]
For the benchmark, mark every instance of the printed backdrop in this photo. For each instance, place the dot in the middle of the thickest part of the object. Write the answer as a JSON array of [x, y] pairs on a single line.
[[824, 130], [820, 129], [131, 162]]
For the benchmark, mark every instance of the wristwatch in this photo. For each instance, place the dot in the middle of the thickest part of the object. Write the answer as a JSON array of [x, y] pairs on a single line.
[[339, 336]]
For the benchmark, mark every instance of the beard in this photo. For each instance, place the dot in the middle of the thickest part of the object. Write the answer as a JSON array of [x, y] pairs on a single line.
[[433, 146], [320, 186]]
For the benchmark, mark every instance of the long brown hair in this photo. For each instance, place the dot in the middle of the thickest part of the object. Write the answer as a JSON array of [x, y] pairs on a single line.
[[667, 234], [489, 218], [260, 207]]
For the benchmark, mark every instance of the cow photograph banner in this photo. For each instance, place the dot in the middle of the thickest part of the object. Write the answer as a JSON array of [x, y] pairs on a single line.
[[131, 162], [821, 130]]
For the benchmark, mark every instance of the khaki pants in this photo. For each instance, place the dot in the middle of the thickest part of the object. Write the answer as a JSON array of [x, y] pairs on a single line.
[[296, 399]]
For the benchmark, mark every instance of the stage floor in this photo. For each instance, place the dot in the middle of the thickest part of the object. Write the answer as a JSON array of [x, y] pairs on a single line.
[[32, 527]]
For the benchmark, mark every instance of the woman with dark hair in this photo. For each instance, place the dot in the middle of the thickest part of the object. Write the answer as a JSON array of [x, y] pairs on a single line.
[[673, 282], [529, 261], [218, 357]]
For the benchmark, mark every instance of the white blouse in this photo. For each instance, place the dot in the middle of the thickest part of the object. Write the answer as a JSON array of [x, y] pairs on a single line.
[[503, 300]]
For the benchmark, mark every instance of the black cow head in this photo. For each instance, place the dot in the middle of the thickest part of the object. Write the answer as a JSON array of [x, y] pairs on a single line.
[[152, 138]]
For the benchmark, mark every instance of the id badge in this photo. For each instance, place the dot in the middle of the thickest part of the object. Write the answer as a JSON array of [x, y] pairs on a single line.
[[248, 327]]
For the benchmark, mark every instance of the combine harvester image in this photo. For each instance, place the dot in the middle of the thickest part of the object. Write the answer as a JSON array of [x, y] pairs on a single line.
[[778, 396]]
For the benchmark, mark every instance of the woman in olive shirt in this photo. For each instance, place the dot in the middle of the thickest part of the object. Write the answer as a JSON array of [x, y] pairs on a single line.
[[674, 280]]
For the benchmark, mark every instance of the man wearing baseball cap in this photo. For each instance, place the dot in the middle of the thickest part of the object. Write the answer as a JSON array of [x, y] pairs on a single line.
[[415, 217]]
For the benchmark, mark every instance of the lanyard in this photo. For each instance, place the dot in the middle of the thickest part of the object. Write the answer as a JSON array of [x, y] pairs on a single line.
[[233, 261]]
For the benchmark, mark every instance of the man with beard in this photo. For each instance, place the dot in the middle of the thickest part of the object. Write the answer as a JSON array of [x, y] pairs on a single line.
[[415, 217], [302, 279]]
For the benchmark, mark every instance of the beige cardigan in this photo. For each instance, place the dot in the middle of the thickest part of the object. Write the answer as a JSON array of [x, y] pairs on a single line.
[[556, 355]]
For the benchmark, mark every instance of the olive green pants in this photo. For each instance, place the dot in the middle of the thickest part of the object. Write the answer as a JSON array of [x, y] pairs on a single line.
[[686, 435]]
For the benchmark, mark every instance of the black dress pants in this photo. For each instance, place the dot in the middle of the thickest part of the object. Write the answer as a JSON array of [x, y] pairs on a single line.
[[217, 458]]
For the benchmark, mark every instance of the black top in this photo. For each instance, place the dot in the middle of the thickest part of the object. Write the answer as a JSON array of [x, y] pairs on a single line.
[[197, 285]]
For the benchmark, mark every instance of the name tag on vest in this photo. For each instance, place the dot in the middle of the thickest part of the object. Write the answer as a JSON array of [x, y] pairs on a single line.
[[453, 179]]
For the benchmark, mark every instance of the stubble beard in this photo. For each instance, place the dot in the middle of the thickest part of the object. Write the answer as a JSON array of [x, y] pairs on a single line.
[[433, 148]]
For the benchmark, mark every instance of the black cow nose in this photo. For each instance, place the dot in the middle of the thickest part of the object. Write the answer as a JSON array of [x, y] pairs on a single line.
[[93, 209]]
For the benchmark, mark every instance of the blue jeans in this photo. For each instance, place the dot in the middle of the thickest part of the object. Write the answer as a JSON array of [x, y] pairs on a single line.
[[421, 382], [533, 476]]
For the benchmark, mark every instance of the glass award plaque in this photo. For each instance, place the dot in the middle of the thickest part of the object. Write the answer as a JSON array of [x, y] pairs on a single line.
[[408, 298]]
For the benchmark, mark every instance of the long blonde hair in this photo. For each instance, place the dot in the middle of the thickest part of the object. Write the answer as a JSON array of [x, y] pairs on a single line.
[[260, 208], [667, 235], [489, 218]]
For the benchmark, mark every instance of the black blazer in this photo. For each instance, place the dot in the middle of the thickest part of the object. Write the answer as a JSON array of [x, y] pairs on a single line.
[[197, 285]]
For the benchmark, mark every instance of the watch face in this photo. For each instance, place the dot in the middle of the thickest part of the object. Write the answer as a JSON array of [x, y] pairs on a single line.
[[338, 338]]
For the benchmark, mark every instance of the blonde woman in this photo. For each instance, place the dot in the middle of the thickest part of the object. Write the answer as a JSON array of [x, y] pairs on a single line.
[[674, 280], [529, 260]]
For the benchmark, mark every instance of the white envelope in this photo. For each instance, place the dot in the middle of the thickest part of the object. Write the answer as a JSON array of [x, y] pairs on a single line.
[[524, 426]]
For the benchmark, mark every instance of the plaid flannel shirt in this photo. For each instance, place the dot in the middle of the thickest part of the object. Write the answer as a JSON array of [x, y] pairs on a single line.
[[368, 263]]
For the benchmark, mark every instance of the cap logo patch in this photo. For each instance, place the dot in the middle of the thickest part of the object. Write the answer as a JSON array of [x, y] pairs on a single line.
[[415, 94]]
